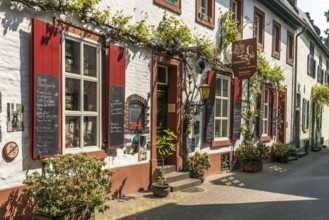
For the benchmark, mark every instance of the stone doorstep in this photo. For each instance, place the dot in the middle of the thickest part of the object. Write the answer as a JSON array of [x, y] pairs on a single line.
[[184, 184], [176, 176], [292, 158], [301, 154], [167, 168], [316, 149]]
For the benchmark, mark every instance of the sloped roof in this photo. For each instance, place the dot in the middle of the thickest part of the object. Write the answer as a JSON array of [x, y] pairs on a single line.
[[305, 19]]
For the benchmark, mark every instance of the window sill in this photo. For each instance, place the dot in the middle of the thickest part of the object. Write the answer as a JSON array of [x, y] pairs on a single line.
[[290, 62], [276, 55], [169, 6], [265, 139], [209, 24], [220, 143]]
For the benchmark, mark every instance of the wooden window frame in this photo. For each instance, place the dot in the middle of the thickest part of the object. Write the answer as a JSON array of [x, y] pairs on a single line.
[[210, 14], [276, 40], [290, 48], [228, 98], [261, 15], [268, 136], [169, 6], [82, 78], [239, 16]]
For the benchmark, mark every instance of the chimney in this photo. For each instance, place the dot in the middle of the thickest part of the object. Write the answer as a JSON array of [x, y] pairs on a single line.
[[293, 2]]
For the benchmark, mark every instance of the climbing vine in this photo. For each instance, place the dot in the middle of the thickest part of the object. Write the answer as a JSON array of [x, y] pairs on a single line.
[[172, 36], [320, 97], [265, 74]]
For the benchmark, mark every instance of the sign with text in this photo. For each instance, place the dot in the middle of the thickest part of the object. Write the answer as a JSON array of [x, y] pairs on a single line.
[[244, 58], [116, 115], [46, 121]]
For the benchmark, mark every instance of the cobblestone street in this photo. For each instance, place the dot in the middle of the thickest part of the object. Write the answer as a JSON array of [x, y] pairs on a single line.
[[297, 190]]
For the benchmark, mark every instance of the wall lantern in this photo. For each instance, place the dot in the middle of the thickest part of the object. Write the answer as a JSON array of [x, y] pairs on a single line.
[[204, 90]]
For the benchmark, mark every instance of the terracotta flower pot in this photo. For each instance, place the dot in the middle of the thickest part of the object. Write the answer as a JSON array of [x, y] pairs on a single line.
[[160, 190]]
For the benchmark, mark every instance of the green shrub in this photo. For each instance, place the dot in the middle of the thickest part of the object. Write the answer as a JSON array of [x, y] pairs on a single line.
[[281, 149], [69, 181], [249, 152], [198, 163]]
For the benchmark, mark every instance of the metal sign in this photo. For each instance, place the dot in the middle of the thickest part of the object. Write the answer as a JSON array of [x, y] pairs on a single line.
[[244, 58]]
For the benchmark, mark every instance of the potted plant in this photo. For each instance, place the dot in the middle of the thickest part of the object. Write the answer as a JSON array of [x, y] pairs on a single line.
[[282, 152], [165, 146], [252, 156], [71, 186], [197, 164]]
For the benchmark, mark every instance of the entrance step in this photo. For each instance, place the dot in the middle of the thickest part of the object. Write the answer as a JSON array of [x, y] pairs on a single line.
[[301, 154], [167, 168], [176, 176], [316, 149], [292, 158], [184, 184]]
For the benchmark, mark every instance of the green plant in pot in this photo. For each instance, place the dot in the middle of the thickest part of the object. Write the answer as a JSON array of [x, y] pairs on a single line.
[[253, 156], [197, 164], [165, 145], [283, 151], [71, 186]]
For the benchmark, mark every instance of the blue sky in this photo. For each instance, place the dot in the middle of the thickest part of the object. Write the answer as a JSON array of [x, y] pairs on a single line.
[[316, 9]]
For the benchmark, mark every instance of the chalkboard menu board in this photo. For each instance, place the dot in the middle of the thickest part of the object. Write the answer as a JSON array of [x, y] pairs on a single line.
[[210, 121], [46, 114], [116, 115], [274, 118], [236, 120]]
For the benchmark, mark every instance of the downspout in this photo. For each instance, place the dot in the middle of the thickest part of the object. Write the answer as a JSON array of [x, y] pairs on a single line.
[[295, 82]]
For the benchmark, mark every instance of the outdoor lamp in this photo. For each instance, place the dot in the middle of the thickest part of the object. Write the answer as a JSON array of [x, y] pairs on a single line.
[[204, 90]]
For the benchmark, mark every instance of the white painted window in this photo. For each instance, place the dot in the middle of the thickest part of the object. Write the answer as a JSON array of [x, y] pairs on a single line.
[[222, 107], [204, 7], [81, 94], [266, 111]]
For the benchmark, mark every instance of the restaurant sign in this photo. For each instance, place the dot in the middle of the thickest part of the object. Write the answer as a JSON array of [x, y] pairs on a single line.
[[244, 58]]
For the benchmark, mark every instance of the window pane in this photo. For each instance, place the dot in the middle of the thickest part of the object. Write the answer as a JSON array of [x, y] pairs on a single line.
[[90, 96], [225, 107], [265, 113], [172, 2], [265, 129], [218, 107], [234, 10], [217, 128], [72, 56], [224, 128], [89, 131], [72, 132], [218, 87], [89, 60], [266, 96], [162, 75], [225, 88], [135, 115], [72, 94]]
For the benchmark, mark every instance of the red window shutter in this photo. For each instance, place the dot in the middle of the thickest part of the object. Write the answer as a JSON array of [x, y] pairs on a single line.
[[210, 111], [116, 99], [236, 109], [46, 94], [275, 101]]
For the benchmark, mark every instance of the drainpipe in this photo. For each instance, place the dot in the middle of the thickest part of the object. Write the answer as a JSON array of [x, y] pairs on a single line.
[[294, 92]]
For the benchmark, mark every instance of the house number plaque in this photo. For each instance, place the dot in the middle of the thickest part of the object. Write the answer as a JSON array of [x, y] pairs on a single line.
[[10, 150]]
